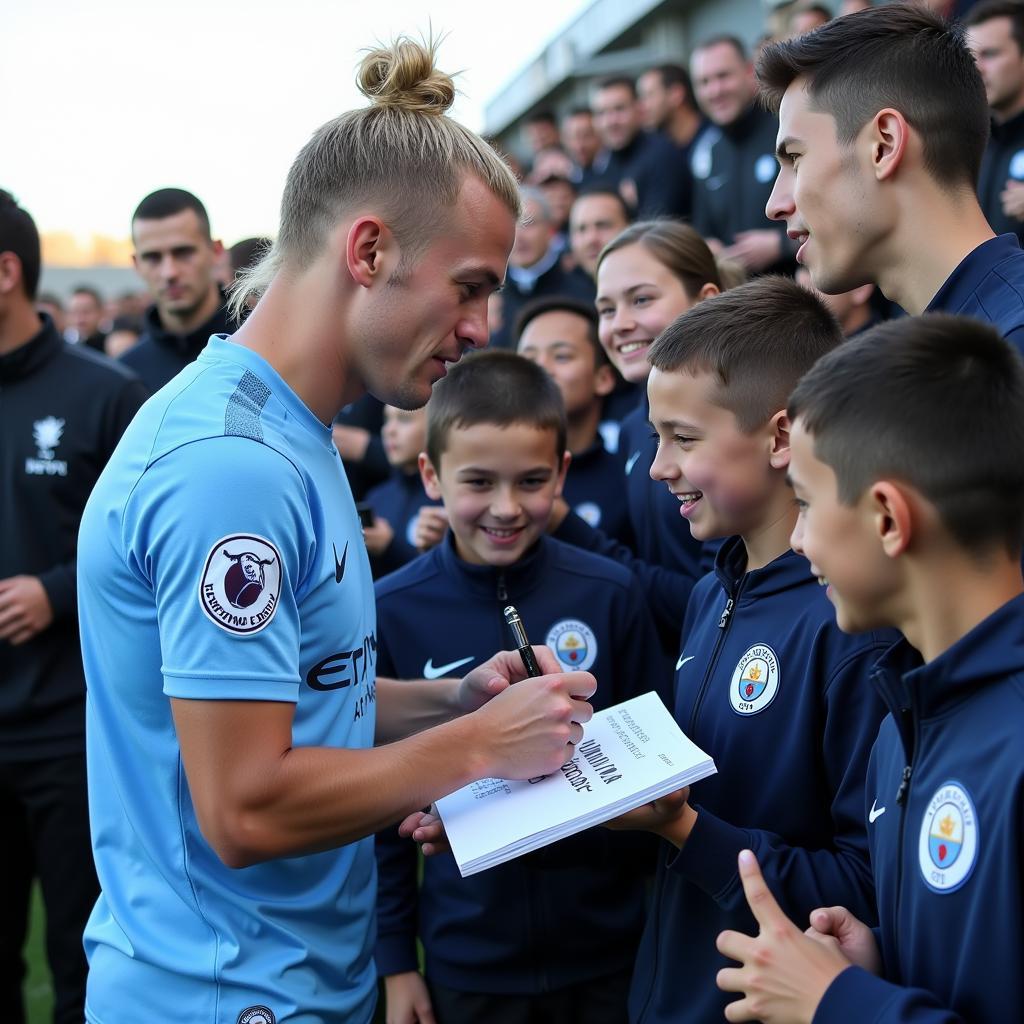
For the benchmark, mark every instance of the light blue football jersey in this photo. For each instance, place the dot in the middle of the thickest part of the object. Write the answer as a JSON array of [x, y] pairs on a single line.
[[221, 558]]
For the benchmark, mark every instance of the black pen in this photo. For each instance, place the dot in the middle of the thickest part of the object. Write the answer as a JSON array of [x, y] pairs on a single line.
[[515, 623]]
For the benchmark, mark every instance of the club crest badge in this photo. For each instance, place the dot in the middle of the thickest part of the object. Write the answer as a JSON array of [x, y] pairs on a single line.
[[257, 1015], [241, 583], [947, 847], [755, 681], [574, 644]]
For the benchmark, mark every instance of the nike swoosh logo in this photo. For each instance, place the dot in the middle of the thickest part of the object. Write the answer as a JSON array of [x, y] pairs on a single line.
[[339, 567], [432, 672], [682, 661], [872, 814], [631, 462]]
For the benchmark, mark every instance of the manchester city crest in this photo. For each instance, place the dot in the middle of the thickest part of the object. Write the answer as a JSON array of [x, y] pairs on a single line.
[[257, 1015], [574, 644], [755, 681], [241, 583], [948, 843]]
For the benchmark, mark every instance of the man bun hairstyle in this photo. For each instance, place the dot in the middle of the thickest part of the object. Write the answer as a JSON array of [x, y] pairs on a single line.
[[401, 156], [935, 402], [902, 56], [757, 339], [498, 388]]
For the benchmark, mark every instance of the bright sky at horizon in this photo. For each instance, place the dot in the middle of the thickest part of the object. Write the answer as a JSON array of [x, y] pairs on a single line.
[[109, 101]]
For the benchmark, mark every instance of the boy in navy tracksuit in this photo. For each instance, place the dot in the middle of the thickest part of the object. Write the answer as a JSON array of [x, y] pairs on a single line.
[[906, 460], [561, 335], [396, 503], [494, 951], [765, 681]]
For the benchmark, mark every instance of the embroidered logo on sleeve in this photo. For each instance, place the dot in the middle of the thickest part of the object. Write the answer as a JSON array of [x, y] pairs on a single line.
[[257, 1015], [241, 583], [947, 846], [755, 681]]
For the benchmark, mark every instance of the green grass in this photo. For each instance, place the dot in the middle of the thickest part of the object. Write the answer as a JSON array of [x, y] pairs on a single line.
[[38, 990]]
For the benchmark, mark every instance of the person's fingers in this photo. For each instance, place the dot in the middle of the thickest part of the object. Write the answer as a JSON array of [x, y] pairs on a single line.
[[730, 979], [759, 898], [581, 684], [575, 733], [735, 945]]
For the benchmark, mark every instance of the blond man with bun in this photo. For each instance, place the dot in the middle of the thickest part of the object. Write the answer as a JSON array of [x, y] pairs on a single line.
[[226, 604]]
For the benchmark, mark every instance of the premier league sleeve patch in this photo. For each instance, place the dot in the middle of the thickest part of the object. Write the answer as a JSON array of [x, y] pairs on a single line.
[[755, 681], [574, 644], [948, 843], [241, 583]]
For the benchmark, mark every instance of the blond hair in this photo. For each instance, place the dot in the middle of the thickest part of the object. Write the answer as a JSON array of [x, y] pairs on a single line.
[[401, 156]]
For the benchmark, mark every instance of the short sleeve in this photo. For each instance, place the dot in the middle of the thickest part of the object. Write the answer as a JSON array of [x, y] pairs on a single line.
[[221, 530]]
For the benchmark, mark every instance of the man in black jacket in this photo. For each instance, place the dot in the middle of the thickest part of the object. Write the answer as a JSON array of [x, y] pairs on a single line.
[[62, 411], [176, 256], [733, 163]]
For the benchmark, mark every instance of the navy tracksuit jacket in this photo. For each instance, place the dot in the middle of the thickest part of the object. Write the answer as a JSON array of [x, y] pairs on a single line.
[[768, 685], [572, 911], [944, 811]]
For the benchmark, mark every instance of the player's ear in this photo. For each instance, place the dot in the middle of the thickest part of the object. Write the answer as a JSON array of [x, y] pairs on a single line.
[[429, 476], [892, 515]]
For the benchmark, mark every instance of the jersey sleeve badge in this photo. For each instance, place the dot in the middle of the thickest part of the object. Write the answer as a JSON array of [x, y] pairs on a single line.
[[241, 583]]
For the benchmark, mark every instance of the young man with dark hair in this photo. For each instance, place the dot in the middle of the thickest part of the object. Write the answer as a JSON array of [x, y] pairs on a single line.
[[646, 168], [765, 681], [494, 951], [995, 35], [560, 334], [177, 257], [541, 131], [598, 214], [581, 142], [63, 410], [883, 123], [667, 105], [85, 315], [913, 516], [732, 162]]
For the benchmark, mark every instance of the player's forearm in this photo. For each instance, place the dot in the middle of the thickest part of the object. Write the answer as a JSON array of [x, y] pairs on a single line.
[[408, 706], [316, 798]]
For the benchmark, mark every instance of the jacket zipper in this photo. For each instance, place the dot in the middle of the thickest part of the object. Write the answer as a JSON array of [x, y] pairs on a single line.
[[723, 630], [902, 802]]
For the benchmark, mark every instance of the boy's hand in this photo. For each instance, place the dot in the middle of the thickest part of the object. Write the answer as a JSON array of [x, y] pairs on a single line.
[[497, 674], [407, 1000], [431, 523], [784, 974], [837, 927], [427, 829], [378, 536], [670, 817]]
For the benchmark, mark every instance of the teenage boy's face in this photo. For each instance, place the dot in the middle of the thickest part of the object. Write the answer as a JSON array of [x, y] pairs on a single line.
[[637, 298], [722, 476], [838, 540], [821, 195], [498, 485], [403, 435], [559, 342]]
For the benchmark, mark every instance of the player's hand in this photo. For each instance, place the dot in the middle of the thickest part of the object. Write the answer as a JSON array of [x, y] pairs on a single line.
[[378, 536], [530, 729], [756, 250], [1012, 198], [497, 673], [25, 610], [407, 1000], [351, 442], [783, 973], [427, 829], [837, 927], [431, 523], [670, 817]]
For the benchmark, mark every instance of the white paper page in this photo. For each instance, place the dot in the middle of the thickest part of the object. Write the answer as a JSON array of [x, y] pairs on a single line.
[[626, 750]]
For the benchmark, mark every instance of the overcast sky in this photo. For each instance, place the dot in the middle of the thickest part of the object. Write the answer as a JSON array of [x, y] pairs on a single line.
[[103, 102]]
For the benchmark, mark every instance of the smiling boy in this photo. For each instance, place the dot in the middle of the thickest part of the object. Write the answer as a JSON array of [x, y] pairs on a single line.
[[912, 511], [882, 127], [494, 949], [765, 681]]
